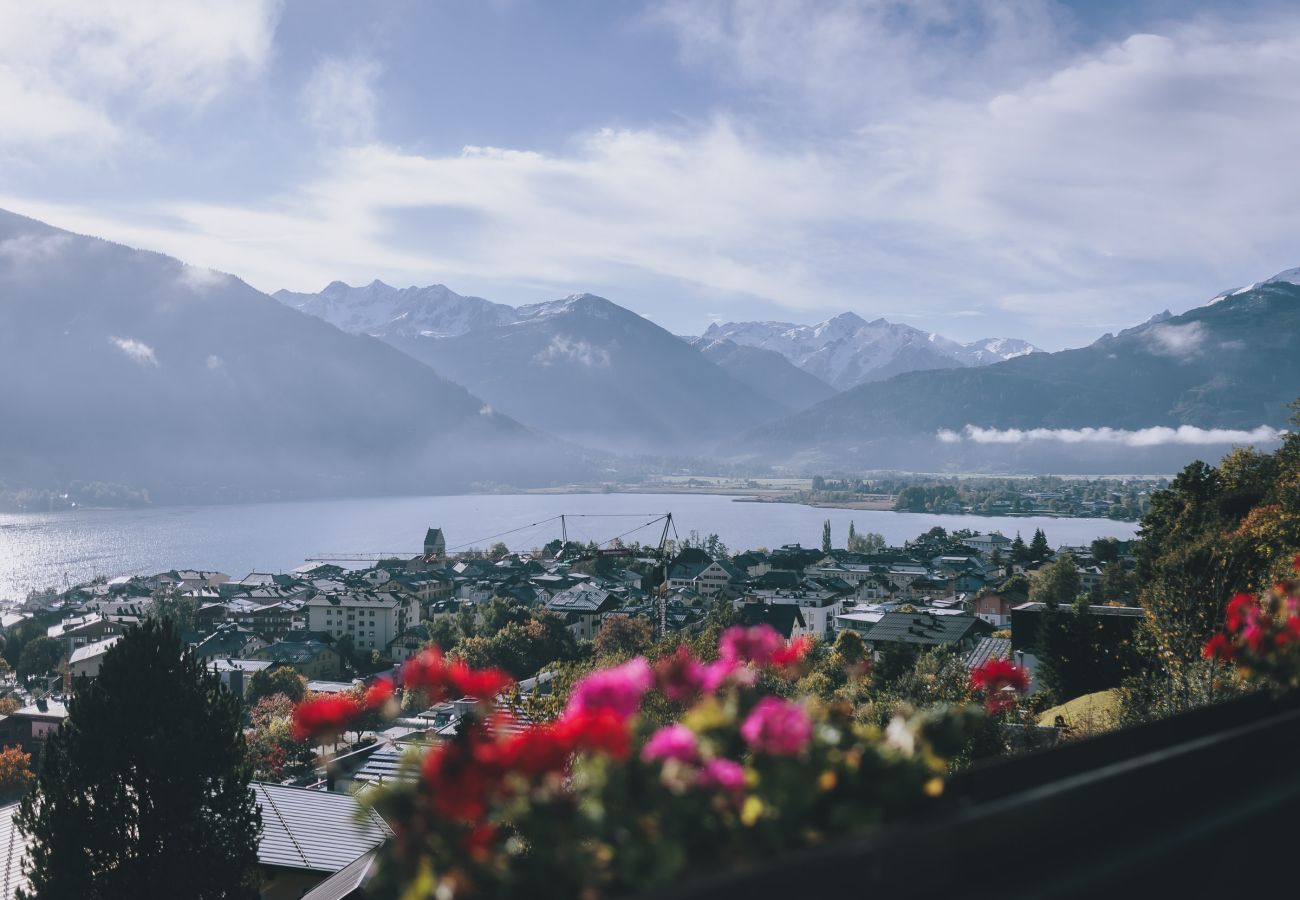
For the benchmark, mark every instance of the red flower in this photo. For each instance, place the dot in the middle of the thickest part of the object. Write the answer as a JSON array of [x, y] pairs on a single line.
[[478, 841], [1219, 647], [441, 680], [994, 677], [790, 657], [459, 784], [596, 731], [680, 676], [1241, 609], [324, 716], [379, 693]]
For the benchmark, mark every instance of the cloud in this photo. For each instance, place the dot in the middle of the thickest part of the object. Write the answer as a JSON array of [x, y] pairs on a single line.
[[27, 248], [562, 349], [965, 161], [1144, 437], [1179, 341], [339, 99], [200, 278], [140, 352], [76, 69]]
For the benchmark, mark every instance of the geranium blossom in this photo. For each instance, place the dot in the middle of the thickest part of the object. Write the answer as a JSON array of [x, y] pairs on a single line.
[[681, 676], [757, 645], [672, 742], [721, 773], [618, 690], [994, 677], [778, 727], [324, 716]]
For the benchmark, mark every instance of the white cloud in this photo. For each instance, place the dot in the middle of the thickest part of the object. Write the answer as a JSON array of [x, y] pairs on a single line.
[[985, 171], [1179, 341], [140, 352], [339, 99], [1144, 437], [562, 349], [72, 69], [200, 278], [28, 248]]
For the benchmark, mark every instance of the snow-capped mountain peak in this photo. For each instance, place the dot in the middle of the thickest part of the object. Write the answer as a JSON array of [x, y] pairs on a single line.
[[384, 311], [847, 350]]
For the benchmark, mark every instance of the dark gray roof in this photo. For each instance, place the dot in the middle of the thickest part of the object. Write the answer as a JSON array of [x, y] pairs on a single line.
[[988, 648], [922, 628], [345, 881], [385, 764], [314, 830]]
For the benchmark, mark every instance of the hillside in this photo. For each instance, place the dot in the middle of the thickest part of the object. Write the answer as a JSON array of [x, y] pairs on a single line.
[[138, 369], [1230, 364], [768, 372]]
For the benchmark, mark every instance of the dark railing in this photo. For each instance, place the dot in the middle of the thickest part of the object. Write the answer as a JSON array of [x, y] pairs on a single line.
[[1202, 804]]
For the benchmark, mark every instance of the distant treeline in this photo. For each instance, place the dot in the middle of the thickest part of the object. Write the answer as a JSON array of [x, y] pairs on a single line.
[[1114, 497], [71, 496]]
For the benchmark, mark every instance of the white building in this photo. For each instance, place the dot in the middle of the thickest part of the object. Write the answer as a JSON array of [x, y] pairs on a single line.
[[371, 619]]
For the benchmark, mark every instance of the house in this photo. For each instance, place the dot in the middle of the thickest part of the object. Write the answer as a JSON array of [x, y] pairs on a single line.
[[81, 630], [408, 643], [370, 618], [310, 659], [583, 608], [788, 621], [87, 659], [229, 640], [995, 607], [819, 606], [696, 570], [985, 544], [308, 835], [926, 629], [237, 674], [31, 726]]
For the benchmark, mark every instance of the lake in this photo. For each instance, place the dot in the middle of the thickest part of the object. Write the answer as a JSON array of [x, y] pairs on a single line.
[[40, 550]]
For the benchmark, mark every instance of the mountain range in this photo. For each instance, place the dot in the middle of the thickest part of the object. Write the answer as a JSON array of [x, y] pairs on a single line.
[[847, 351], [133, 367], [1230, 364], [129, 366]]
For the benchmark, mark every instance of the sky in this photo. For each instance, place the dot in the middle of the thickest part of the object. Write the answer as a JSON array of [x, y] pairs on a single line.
[[1049, 171]]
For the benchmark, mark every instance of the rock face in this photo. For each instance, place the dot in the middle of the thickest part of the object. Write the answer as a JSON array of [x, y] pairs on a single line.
[[136, 368]]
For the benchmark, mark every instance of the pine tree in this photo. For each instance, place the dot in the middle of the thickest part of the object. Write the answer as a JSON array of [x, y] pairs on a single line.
[[1039, 549], [144, 789], [853, 535], [1019, 552], [826, 537]]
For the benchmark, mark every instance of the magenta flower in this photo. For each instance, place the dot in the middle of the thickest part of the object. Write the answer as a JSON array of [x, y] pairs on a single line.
[[721, 773], [618, 690], [756, 645], [671, 742], [681, 676], [778, 727]]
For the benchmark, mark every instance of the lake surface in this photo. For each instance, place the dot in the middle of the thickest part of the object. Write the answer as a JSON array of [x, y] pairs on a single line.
[[40, 550]]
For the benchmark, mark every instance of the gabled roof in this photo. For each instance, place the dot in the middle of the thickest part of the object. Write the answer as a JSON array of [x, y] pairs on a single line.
[[988, 648], [582, 599], [314, 830]]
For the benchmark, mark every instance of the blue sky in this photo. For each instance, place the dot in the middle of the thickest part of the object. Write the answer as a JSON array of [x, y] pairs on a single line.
[[974, 167]]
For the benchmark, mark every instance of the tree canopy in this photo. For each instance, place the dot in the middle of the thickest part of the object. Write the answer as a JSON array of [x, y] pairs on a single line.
[[132, 802]]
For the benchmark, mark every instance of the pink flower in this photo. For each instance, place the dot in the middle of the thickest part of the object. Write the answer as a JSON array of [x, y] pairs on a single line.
[[778, 727], [671, 742], [757, 645], [681, 676], [618, 690], [721, 773]]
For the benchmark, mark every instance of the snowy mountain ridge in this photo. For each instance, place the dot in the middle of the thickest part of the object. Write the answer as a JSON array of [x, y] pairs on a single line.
[[847, 350]]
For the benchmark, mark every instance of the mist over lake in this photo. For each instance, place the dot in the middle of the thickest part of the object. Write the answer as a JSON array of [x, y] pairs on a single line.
[[40, 550]]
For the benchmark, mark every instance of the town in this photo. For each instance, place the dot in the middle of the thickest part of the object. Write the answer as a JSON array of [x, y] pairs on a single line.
[[323, 629]]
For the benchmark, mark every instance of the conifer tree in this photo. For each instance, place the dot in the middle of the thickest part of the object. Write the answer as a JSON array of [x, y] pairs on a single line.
[[1039, 549], [144, 789], [826, 537]]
